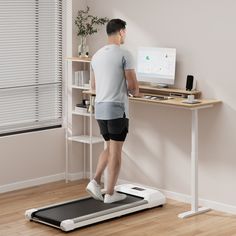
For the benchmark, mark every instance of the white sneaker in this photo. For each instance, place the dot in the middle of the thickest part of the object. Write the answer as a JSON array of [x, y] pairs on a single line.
[[115, 197], [94, 189]]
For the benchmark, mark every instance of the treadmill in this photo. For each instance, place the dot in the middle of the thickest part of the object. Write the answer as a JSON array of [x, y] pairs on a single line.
[[81, 212]]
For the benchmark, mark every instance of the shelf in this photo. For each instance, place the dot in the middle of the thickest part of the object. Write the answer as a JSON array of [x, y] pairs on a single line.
[[80, 87], [85, 113], [86, 139], [79, 59]]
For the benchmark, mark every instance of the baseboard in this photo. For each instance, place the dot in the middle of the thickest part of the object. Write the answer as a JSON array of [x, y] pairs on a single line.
[[76, 176], [217, 206], [41, 180], [31, 182]]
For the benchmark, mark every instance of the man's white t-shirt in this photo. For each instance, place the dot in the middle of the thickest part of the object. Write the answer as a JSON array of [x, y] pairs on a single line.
[[108, 65]]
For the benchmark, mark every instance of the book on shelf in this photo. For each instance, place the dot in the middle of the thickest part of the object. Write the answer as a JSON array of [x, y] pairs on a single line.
[[81, 108]]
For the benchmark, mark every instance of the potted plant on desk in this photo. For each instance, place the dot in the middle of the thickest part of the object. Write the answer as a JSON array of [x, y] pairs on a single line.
[[87, 25]]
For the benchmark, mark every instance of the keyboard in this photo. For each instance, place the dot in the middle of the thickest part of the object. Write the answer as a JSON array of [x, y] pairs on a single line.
[[156, 97]]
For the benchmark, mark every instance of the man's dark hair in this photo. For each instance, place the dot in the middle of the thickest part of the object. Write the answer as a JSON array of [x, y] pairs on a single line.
[[115, 25]]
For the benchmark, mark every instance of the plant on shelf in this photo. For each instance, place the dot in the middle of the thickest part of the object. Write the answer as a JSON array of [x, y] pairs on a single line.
[[87, 25]]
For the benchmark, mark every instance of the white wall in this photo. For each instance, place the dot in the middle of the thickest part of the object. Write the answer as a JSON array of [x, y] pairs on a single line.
[[30, 156], [157, 151]]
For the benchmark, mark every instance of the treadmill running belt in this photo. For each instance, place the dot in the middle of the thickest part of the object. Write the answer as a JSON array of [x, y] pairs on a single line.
[[56, 214]]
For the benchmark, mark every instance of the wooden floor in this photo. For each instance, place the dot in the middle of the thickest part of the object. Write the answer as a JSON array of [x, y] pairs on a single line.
[[158, 221]]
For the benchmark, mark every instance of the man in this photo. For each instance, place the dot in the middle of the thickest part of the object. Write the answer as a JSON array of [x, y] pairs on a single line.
[[114, 78]]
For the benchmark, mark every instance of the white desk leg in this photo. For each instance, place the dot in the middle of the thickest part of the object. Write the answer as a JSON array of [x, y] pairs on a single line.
[[194, 171]]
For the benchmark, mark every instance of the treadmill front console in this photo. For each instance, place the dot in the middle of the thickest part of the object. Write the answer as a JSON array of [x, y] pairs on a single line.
[[138, 189]]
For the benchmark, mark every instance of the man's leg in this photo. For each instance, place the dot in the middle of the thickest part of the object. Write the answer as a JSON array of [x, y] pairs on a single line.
[[93, 187], [114, 164], [102, 163]]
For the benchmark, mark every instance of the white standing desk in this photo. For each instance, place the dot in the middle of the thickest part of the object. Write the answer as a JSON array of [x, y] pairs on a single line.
[[178, 102]]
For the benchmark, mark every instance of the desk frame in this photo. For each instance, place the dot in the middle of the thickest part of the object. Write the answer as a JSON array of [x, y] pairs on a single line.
[[195, 209]]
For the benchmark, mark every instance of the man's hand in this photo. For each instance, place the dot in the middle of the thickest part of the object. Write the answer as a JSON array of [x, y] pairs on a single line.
[[139, 95]]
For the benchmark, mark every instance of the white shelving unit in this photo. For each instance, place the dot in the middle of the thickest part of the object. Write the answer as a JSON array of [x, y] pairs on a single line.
[[74, 95]]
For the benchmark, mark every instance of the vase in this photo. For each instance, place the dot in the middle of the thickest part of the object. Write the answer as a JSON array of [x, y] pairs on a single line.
[[83, 50]]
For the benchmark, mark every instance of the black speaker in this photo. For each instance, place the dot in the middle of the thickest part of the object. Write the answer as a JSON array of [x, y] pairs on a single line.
[[190, 83]]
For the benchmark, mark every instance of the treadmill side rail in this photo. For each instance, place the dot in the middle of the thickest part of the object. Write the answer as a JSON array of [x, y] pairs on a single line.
[[111, 215], [67, 225], [28, 213]]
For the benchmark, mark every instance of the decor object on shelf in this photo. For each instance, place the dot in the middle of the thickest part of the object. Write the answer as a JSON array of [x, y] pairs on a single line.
[[87, 25], [81, 78], [91, 106]]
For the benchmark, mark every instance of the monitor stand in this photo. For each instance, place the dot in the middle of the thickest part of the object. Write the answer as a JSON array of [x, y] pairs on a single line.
[[156, 85]]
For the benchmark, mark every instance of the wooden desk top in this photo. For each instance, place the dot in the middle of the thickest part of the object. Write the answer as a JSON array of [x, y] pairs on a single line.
[[176, 102]]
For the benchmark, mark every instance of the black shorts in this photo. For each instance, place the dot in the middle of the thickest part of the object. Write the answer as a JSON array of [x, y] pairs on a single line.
[[115, 129]]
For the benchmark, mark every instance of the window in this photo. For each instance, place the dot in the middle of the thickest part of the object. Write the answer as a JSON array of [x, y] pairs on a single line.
[[30, 65]]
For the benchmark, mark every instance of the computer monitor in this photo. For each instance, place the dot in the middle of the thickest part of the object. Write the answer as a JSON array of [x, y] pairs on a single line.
[[156, 65]]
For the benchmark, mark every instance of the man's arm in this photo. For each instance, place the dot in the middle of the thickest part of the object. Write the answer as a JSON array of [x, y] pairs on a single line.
[[132, 82]]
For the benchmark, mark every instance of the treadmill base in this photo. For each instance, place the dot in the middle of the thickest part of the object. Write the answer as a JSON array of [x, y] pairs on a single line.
[[74, 214]]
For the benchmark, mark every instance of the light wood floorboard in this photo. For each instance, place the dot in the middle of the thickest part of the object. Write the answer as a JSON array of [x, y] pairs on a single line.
[[153, 222]]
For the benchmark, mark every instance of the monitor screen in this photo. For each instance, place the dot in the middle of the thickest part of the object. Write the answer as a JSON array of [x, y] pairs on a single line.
[[156, 65]]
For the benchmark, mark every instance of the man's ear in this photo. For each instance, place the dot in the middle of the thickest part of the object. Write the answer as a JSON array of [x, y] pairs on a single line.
[[122, 32]]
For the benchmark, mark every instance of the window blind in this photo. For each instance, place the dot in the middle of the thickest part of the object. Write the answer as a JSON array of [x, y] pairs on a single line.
[[30, 65]]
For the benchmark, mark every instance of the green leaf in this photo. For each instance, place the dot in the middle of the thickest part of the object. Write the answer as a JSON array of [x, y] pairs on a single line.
[[88, 24]]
